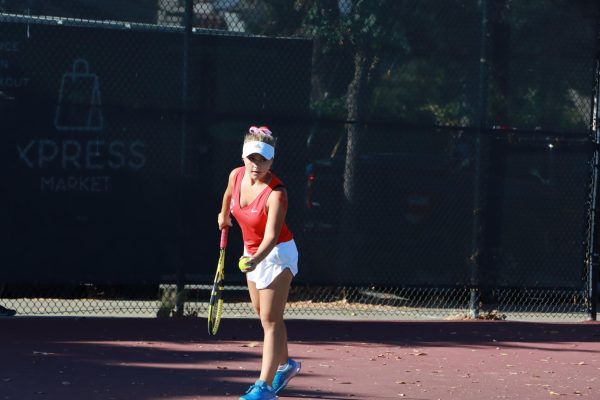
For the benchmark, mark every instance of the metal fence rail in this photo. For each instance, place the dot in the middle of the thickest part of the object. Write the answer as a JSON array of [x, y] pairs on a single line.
[[439, 156]]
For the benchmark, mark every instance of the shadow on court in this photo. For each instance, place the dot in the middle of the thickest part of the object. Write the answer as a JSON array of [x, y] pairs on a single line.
[[147, 359]]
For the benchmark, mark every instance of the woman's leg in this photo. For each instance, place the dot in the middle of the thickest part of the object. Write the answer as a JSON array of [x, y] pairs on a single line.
[[272, 301], [254, 296]]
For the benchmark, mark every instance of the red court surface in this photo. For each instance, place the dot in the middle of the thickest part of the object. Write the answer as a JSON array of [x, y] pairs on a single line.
[[146, 359]]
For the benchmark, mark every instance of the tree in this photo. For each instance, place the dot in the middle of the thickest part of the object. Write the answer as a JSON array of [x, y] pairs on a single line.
[[363, 28]]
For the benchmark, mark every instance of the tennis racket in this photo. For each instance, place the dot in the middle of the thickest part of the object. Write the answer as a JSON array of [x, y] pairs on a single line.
[[215, 305]]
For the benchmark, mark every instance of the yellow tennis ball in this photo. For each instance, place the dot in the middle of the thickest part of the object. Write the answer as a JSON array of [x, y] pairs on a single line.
[[242, 264]]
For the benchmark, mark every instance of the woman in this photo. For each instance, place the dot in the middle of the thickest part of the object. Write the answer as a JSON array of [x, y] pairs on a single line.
[[258, 201]]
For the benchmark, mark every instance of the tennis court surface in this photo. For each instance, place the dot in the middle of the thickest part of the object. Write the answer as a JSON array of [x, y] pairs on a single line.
[[146, 359]]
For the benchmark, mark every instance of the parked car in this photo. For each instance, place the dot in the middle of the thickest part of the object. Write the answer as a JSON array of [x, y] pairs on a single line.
[[409, 171], [413, 203], [414, 207]]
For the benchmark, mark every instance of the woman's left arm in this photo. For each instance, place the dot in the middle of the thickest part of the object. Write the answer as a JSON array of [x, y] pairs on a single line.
[[276, 211]]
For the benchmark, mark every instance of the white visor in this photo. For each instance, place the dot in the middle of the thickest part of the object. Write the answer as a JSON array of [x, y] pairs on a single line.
[[262, 148]]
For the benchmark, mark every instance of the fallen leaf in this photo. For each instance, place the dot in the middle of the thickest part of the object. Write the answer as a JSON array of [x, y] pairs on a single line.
[[42, 353]]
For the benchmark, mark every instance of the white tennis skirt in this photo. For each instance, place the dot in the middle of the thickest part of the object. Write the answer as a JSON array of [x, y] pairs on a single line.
[[284, 255]]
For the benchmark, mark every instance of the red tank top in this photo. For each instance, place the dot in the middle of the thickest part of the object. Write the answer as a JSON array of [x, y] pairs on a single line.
[[253, 217]]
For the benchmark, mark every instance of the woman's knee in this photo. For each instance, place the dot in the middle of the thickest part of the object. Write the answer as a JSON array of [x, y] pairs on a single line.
[[270, 323]]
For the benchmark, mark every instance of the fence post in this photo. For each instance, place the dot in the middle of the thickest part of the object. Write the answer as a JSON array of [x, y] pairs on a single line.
[[593, 254], [188, 21], [187, 35], [477, 233]]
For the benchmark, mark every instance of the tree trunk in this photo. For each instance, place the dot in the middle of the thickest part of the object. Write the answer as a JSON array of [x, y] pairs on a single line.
[[356, 101]]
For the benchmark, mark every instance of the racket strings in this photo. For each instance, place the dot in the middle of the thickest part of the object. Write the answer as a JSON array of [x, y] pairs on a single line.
[[215, 309], [218, 315]]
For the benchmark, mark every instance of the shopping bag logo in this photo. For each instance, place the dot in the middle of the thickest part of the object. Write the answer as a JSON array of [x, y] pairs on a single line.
[[79, 101]]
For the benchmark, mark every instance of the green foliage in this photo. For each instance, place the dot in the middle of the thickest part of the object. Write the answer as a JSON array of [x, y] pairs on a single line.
[[426, 58], [368, 24], [412, 92], [334, 107], [549, 72]]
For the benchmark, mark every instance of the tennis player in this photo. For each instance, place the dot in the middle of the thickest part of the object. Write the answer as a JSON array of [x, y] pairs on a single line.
[[258, 201]]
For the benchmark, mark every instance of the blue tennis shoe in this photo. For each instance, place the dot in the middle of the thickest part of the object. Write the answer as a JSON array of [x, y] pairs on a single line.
[[259, 391], [285, 375]]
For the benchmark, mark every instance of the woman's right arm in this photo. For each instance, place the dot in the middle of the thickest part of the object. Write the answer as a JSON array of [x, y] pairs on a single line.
[[224, 218]]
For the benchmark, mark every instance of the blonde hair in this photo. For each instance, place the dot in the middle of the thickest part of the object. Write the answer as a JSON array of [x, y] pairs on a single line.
[[260, 134]]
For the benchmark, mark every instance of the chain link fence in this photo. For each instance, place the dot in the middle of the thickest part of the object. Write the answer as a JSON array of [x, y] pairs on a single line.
[[438, 156]]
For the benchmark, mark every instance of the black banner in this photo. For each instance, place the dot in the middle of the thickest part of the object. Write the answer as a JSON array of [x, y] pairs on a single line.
[[105, 167]]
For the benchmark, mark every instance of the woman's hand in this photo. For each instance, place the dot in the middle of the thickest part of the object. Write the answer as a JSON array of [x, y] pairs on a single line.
[[224, 221], [249, 262]]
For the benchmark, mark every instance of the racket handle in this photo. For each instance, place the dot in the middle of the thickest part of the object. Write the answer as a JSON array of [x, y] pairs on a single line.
[[224, 233]]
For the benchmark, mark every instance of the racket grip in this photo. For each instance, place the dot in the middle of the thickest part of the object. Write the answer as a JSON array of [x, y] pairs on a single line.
[[224, 233]]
